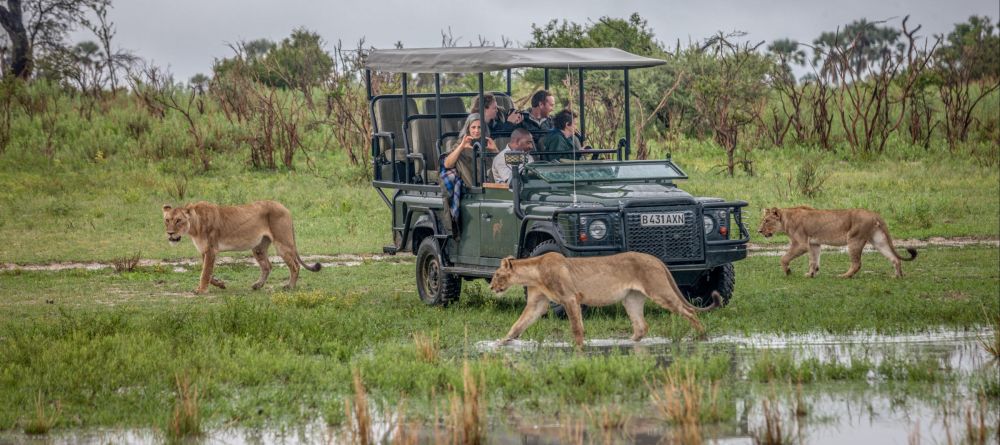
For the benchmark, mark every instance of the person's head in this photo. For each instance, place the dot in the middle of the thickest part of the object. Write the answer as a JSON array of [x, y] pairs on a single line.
[[563, 121], [521, 140], [543, 101], [472, 127], [491, 106]]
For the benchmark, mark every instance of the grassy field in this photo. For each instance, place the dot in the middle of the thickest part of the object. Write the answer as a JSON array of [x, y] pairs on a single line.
[[107, 347], [82, 349], [99, 210]]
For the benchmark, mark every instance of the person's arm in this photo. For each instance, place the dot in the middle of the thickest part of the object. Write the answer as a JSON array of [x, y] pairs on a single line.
[[452, 158]]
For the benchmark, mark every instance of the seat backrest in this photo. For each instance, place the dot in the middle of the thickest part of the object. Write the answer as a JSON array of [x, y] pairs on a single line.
[[448, 105], [389, 118], [423, 136], [501, 141]]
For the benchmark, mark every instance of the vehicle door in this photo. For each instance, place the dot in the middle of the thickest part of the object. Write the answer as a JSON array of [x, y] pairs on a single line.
[[498, 226], [467, 250]]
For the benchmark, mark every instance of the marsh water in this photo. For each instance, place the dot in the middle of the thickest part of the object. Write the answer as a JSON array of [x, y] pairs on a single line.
[[872, 411]]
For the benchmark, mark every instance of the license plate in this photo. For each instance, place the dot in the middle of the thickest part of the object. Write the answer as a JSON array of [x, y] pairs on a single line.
[[661, 219]]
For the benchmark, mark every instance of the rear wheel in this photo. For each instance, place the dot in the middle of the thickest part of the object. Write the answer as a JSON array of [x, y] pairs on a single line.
[[720, 278], [436, 288]]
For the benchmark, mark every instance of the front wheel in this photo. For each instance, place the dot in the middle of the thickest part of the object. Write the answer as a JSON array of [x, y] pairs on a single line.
[[720, 278], [436, 288]]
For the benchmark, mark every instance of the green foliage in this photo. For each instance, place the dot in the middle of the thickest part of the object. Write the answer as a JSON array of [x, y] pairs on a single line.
[[298, 62], [873, 42], [974, 43]]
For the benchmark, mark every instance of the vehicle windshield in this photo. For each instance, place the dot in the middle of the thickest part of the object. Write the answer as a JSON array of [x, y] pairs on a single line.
[[606, 171]]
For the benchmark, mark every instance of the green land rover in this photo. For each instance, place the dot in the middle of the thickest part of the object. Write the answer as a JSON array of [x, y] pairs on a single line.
[[578, 207]]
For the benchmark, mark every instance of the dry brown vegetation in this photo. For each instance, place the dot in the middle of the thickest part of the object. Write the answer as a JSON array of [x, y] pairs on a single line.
[[185, 420]]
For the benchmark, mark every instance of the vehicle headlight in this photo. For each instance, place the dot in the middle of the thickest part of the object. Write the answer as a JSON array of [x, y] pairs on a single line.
[[709, 224], [598, 229]]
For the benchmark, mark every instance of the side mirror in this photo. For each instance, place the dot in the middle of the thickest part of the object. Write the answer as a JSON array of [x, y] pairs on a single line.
[[512, 158]]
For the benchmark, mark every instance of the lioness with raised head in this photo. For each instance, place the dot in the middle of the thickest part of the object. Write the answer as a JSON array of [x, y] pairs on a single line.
[[628, 277], [253, 227], [809, 228]]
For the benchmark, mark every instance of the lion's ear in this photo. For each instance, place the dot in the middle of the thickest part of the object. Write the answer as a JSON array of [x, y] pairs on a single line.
[[507, 263], [166, 208]]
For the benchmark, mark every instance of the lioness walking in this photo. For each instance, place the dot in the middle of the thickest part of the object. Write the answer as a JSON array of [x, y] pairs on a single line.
[[808, 229], [253, 227], [628, 277]]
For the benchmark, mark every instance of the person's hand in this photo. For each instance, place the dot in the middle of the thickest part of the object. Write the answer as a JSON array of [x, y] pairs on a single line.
[[515, 117], [466, 142], [490, 145]]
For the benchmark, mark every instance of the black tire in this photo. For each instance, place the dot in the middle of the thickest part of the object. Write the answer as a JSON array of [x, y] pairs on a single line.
[[541, 249], [435, 287], [720, 278]]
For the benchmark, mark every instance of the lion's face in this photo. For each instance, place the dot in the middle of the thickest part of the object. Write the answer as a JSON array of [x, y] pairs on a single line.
[[770, 223], [501, 278], [177, 223]]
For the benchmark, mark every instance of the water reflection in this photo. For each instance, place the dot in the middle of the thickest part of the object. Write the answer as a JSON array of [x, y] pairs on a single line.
[[856, 413]]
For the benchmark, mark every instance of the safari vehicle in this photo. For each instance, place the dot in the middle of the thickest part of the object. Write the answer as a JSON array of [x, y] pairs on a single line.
[[577, 207]]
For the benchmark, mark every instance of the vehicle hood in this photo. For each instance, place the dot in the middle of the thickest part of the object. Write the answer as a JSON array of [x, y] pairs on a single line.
[[611, 195]]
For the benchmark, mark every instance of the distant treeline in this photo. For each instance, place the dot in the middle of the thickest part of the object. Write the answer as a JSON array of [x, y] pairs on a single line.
[[869, 85]]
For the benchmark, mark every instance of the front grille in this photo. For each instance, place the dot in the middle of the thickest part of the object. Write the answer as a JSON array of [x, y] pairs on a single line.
[[682, 243]]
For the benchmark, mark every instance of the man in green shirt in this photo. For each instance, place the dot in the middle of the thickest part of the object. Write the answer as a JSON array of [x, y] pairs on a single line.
[[562, 138]]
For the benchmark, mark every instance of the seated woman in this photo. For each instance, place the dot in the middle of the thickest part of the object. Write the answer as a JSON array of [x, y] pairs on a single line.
[[457, 166]]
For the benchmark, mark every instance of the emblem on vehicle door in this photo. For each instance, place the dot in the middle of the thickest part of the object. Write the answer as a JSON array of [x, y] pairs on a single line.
[[497, 227]]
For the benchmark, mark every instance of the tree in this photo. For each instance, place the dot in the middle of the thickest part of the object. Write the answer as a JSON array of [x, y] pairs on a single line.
[[257, 49], [12, 20], [104, 30], [633, 35], [728, 83], [969, 58], [872, 44], [787, 52], [40, 25], [199, 82], [299, 62], [974, 44]]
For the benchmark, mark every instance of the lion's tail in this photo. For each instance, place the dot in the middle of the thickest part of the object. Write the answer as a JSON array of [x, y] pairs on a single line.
[[315, 267], [885, 231], [716, 296]]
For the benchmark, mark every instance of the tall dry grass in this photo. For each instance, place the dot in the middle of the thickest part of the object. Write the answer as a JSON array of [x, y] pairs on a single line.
[[772, 432], [359, 421], [992, 343], [428, 346], [185, 421], [680, 401], [404, 433], [466, 421], [42, 422]]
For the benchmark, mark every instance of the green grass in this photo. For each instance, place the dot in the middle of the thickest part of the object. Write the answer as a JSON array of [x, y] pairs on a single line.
[[85, 210], [109, 346]]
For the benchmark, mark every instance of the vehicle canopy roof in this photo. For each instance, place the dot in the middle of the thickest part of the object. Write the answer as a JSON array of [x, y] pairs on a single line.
[[484, 59]]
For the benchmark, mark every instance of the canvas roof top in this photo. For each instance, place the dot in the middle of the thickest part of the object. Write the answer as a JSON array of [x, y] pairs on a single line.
[[483, 59]]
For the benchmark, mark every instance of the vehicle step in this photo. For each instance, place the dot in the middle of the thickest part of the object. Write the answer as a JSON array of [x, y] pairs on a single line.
[[390, 250], [481, 271]]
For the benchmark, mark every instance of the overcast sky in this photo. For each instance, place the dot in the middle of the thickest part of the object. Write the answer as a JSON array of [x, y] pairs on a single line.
[[187, 35]]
